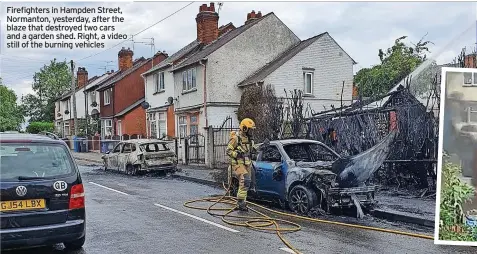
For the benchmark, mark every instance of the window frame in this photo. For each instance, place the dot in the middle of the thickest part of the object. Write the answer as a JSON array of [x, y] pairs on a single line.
[[305, 74], [260, 158], [182, 125], [161, 122], [189, 79], [66, 124], [107, 97], [162, 84]]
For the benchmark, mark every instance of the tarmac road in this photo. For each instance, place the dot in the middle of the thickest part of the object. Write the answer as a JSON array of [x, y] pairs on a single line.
[[146, 215]]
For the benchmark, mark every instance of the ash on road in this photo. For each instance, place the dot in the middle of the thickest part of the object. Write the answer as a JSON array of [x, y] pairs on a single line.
[[146, 215]]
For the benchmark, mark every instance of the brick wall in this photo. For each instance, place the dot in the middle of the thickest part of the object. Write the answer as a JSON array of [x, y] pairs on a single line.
[[125, 59], [81, 77], [134, 122], [207, 24], [171, 124]]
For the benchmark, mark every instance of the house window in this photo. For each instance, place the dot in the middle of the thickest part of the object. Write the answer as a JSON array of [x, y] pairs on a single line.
[[66, 128], [470, 78], [107, 97], [182, 127], [162, 125], [189, 79], [159, 82], [107, 128], [92, 97], [308, 78]]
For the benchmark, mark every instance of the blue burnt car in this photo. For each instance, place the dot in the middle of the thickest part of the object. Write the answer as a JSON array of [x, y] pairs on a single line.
[[305, 174]]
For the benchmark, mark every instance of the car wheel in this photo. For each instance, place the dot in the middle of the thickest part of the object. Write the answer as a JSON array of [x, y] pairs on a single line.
[[75, 245], [129, 169], [136, 170], [301, 199]]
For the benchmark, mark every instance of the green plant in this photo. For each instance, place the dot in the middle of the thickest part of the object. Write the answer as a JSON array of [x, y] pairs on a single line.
[[37, 127], [454, 193]]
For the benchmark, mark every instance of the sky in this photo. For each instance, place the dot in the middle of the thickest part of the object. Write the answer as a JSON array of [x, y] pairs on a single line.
[[361, 29]]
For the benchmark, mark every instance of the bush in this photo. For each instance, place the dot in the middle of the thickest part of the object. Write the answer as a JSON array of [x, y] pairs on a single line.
[[454, 193], [37, 127]]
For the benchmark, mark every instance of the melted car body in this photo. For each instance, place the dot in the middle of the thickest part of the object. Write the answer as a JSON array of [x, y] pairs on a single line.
[[312, 175], [141, 155]]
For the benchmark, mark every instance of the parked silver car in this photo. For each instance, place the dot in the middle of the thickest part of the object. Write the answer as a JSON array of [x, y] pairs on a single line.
[[141, 155]]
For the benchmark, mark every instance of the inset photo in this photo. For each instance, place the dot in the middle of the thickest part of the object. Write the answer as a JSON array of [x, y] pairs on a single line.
[[456, 206]]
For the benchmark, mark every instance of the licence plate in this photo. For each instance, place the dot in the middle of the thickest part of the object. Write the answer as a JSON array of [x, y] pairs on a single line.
[[18, 205]]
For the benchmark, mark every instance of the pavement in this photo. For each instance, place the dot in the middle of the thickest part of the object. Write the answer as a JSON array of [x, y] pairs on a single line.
[[140, 214], [391, 206]]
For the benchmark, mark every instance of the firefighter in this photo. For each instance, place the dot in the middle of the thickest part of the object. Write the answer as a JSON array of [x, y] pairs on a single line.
[[239, 149]]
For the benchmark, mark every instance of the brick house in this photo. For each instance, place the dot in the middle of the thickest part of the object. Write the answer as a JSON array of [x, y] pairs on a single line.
[[122, 96]]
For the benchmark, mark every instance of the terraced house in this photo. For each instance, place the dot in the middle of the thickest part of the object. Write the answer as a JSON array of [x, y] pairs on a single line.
[[121, 96]]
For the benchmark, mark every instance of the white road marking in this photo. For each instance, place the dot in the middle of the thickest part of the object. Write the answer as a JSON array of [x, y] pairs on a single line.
[[198, 218], [120, 192], [286, 249]]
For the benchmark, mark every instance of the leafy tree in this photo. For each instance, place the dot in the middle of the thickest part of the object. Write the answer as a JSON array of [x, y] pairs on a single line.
[[397, 62], [10, 113], [37, 127], [48, 84]]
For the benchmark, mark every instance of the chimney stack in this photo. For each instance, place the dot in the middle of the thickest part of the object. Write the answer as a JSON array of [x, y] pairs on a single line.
[[81, 77], [253, 16], [125, 59], [207, 24]]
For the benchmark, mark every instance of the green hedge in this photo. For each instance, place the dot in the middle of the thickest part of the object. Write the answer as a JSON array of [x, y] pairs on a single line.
[[37, 127]]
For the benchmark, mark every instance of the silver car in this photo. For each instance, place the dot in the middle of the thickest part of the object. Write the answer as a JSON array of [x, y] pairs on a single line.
[[141, 155]]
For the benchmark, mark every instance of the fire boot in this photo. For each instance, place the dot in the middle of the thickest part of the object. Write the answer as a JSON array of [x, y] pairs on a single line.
[[241, 205]]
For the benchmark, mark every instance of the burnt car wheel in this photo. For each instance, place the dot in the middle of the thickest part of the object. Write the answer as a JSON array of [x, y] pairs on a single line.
[[301, 199], [131, 170]]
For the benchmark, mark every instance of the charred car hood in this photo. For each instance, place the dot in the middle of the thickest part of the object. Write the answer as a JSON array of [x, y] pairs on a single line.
[[353, 171]]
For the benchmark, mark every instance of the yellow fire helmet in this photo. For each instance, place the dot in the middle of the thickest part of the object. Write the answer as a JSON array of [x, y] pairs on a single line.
[[247, 124]]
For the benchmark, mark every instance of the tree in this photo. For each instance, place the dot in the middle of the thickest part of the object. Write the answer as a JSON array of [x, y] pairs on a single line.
[[262, 106], [48, 84], [397, 62], [10, 113]]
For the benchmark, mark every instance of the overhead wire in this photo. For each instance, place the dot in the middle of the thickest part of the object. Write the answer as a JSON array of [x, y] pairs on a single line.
[[170, 15]]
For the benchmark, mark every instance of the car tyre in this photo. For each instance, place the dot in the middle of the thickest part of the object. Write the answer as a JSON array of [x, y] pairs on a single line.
[[301, 199], [76, 244]]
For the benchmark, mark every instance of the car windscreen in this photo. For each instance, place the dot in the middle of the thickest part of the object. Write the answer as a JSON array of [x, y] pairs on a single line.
[[30, 160], [154, 147]]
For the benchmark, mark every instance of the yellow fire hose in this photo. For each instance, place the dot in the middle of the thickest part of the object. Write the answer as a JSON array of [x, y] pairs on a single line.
[[265, 222]]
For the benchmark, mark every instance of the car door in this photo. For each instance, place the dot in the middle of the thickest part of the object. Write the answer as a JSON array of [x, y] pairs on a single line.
[[113, 157], [123, 157], [269, 159]]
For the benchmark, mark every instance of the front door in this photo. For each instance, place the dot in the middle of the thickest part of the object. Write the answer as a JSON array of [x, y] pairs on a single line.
[[120, 129], [268, 160]]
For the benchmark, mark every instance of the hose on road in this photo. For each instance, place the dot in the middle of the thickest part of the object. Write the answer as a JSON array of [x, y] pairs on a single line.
[[265, 222]]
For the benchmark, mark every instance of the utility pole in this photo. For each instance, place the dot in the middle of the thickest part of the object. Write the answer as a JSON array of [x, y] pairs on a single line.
[[73, 95]]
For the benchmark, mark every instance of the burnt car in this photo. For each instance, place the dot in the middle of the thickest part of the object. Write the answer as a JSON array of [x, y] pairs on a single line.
[[136, 156], [306, 174]]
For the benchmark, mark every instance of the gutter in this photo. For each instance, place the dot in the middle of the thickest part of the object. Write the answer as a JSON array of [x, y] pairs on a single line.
[[205, 91], [145, 99]]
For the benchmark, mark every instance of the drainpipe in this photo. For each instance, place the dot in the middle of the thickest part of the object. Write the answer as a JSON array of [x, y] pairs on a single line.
[[145, 99], [205, 92]]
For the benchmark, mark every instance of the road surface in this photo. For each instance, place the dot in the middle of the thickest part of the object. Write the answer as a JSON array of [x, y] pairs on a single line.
[[128, 214]]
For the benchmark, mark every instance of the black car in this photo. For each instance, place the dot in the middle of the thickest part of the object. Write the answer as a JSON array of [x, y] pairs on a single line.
[[42, 199]]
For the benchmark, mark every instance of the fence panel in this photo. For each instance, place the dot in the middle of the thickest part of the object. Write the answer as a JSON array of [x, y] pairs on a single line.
[[221, 137]]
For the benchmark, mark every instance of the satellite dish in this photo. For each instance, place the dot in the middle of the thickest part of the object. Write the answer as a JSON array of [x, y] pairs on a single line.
[[170, 100], [145, 105]]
